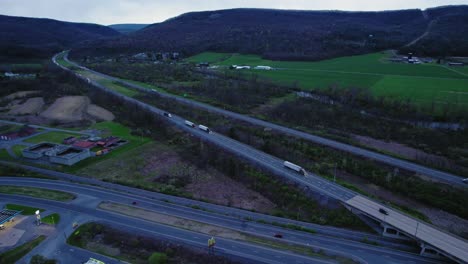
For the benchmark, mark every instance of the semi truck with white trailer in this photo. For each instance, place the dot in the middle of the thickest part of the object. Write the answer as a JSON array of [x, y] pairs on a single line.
[[190, 124], [295, 167], [204, 128]]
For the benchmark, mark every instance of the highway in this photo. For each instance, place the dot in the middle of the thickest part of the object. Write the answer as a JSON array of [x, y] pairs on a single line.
[[90, 196], [407, 165], [275, 165], [251, 253]]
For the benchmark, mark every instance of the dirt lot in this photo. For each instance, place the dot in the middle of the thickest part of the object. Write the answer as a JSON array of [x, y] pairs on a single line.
[[172, 220], [30, 107], [99, 113], [67, 109], [158, 166], [438, 217]]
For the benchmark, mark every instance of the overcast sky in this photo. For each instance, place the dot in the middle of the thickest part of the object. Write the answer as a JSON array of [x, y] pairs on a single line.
[[151, 11]]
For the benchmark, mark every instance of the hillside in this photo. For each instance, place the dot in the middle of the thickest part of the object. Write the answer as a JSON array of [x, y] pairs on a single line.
[[127, 28], [447, 34], [275, 34], [294, 35], [26, 37]]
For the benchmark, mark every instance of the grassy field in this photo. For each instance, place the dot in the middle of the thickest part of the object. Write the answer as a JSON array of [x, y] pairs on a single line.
[[54, 137], [37, 192], [26, 209], [14, 255], [422, 84]]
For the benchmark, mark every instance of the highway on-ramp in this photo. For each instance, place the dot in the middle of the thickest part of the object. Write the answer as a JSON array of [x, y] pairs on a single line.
[[399, 163]]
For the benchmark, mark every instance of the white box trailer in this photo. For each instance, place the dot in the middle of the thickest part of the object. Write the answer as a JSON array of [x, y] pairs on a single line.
[[204, 128], [295, 167], [190, 124]]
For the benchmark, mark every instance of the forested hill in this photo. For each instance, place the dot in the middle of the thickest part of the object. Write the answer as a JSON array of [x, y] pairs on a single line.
[[127, 28], [287, 34], [21, 36]]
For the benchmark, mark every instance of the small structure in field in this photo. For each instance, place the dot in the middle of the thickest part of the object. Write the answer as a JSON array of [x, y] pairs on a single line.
[[69, 140], [260, 67]]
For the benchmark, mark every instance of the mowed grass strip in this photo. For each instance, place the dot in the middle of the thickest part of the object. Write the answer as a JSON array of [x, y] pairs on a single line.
[[37, 192], [53, 137], [26, 210], [14, 255], [51, 219]]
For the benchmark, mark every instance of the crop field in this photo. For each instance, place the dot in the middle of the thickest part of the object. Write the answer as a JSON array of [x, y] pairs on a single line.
[[423, 85]]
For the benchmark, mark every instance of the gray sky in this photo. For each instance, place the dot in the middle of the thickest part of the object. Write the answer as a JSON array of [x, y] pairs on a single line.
[[151, 11]]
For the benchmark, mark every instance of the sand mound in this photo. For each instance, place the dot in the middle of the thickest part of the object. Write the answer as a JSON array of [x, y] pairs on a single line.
[[99, 113], [67, 109], [31, 106], [19, 95]]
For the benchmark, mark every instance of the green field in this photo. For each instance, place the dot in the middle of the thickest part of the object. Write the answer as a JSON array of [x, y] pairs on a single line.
[[51, 219], [53, 137], [422, 84]]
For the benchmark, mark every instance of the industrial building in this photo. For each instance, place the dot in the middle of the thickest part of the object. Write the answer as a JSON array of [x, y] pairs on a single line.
[[38, 151], [70, 155], [55, 153]]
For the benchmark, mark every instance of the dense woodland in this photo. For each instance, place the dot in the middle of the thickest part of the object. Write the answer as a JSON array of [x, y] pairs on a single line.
[[39, 38], [315, 35]]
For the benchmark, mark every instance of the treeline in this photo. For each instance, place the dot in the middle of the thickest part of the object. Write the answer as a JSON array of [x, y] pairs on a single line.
[[315, 34], [229, 91], [346, 120]]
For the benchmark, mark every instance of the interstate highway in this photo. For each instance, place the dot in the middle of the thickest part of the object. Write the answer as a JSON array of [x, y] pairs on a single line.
[[457, 251], [407, 165], [90, 196]]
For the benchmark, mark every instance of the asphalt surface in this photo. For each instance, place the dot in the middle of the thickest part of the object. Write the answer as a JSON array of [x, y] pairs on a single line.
[[255, 156], [407, 165], [250, 253], [89, 197]]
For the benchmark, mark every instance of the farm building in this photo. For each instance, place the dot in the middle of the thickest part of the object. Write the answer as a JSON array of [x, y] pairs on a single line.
[[263, 68], [70, 155], [38, 151]]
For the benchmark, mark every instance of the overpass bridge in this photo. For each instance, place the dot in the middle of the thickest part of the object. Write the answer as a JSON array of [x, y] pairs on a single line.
[[432, 240]]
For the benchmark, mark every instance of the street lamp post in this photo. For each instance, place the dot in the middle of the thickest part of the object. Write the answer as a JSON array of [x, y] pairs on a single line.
[[38, 217]]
